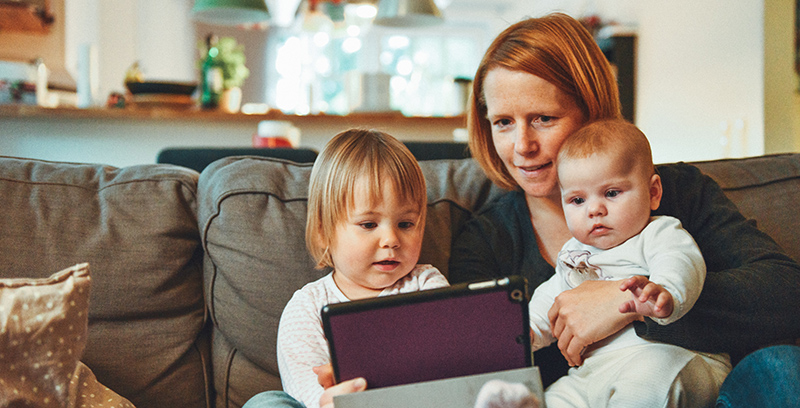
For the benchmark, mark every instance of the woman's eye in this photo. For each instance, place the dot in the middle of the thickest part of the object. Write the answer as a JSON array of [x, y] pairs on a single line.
[[545, 119], [501, 123]]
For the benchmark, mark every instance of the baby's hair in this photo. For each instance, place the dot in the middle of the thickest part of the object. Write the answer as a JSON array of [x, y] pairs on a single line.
[[618, 137], [352, 156]]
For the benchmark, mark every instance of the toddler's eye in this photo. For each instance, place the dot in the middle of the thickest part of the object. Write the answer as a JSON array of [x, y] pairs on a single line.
[[368, 225], [612, 193], [577, 201], [406, 225]]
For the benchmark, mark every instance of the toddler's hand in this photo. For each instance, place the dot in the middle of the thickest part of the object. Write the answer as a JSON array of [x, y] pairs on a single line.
[[325, 378], [649, 299]]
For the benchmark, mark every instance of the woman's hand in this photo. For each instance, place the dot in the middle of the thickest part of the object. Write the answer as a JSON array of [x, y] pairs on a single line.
[[325, 377], [587, 314]]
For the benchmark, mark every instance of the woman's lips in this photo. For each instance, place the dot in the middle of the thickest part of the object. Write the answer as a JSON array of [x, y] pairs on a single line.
[[534, 169]]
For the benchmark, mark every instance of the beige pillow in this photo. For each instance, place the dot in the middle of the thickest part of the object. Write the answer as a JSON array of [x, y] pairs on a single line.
[[43, 324]]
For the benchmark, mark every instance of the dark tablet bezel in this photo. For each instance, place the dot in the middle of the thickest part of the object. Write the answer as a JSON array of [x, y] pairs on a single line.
[[465, 329]]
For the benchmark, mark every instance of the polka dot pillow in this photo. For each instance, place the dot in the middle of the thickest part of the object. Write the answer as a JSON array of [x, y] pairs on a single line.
[[43, 324]]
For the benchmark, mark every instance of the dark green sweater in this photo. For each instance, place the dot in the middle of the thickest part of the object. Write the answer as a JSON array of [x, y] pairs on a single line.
[[751, 295]]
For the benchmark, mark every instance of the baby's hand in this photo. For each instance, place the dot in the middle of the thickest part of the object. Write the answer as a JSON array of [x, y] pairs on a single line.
[[649, 299]]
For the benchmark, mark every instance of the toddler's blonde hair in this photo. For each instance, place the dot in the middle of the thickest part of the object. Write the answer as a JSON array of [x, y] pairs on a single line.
[[350, 157]]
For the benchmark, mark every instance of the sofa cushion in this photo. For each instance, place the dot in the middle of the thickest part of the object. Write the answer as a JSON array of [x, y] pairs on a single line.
[[758, 186], [43, 324], [252, 216], [137, 228]]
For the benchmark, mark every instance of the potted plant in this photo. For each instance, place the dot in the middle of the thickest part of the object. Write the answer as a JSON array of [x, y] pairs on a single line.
[[229, 58]]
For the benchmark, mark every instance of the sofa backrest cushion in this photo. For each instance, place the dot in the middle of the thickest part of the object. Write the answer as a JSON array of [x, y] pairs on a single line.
[[765, 189], [137, 229], [252, 217]]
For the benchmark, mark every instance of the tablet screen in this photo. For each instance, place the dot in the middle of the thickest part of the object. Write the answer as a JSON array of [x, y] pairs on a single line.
[[449, 332]]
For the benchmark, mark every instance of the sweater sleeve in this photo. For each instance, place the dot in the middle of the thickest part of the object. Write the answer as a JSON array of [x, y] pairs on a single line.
[[674, 262], [301, 346], [752, 289], [541, 301]]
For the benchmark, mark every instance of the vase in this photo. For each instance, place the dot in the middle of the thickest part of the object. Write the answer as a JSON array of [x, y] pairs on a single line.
[[231, 100]]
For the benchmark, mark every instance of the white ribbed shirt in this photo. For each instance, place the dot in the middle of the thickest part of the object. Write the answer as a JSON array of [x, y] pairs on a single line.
[[301, 341]]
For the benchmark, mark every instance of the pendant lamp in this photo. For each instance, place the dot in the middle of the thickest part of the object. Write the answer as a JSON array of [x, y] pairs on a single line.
[[230, 12], [407, 13]]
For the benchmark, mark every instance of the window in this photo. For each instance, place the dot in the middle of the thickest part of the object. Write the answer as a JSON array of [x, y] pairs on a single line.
[[321, 67]]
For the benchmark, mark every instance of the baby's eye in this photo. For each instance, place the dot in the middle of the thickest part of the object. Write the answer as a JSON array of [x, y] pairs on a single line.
[[368, 225], [612, 193], [577, 200], [406, 225]]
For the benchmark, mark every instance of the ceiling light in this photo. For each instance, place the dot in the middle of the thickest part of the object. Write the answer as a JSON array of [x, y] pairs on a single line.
[[230, 12], [407, 13]]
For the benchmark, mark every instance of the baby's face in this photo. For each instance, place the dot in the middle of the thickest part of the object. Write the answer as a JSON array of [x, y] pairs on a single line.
[[606, 201], [377, 244]]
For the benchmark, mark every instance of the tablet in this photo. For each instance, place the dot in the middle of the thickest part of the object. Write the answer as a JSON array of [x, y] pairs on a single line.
[[465, 329]]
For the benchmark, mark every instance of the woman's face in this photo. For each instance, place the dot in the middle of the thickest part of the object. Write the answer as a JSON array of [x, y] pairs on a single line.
[[530, 118]]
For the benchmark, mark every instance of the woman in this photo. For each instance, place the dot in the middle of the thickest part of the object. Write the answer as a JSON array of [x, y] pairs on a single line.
[[539, 81]]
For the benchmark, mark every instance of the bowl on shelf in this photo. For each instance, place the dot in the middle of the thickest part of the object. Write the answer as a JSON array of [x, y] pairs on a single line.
[[161, 87], [155, 94]]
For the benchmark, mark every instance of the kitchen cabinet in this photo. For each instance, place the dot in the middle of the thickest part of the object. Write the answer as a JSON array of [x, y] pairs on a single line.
[[30, 16]]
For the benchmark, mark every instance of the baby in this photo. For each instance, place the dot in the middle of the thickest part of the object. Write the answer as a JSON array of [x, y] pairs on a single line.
[[609, 186]]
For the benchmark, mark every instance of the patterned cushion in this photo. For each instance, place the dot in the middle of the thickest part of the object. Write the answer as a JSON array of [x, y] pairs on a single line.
[[43, 325]]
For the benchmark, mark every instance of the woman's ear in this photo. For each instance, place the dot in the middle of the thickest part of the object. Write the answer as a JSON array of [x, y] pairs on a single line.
[[655, 191]]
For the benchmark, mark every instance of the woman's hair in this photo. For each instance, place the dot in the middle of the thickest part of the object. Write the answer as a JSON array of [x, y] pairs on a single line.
[[556, 48], [618, 137], [351, 157]]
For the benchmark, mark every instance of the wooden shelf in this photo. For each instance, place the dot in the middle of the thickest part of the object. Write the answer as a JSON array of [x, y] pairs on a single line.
[[30, 111], [24, 18]]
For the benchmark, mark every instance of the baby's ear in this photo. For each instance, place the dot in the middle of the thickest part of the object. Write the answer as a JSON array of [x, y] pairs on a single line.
[[655, 191]]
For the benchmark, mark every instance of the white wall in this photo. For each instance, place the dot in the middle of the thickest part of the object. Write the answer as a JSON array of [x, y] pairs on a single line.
[[714, 78], [700, 78], [156, 33]]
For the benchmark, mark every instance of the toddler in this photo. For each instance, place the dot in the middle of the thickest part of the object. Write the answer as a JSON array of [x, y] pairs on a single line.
[[366, 217]]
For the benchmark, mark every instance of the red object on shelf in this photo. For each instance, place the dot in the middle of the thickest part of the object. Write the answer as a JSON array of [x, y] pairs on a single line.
[[276, 133], [270, 142]]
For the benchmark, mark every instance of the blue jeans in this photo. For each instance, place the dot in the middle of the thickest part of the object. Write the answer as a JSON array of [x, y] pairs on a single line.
[[769, 377], [272, 399]]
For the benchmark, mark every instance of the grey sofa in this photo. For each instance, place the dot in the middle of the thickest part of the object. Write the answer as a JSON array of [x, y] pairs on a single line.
[[190, 271]]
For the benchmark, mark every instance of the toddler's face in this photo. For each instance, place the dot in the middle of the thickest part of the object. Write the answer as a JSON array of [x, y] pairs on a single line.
[[377, 244], [606, 201]]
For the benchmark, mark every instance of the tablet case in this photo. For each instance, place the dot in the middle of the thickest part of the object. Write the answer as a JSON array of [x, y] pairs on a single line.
[[459, 392], [462, 330]]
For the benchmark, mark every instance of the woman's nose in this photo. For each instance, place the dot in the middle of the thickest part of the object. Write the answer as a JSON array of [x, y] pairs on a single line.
[[526, 141]]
